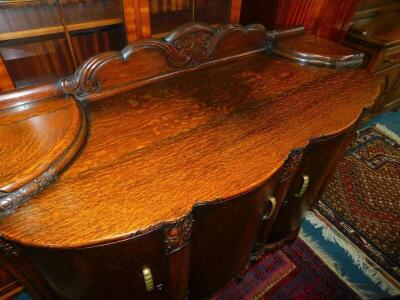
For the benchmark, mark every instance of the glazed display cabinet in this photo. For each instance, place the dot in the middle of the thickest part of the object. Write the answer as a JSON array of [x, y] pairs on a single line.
[[43, 40]]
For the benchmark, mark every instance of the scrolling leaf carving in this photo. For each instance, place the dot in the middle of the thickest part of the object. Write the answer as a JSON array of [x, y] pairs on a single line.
[[292, 163], [10, 201], [178, 234]]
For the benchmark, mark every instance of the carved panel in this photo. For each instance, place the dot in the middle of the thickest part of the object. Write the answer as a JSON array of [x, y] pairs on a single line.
[[10, 201], [188, 45], [7, 248], [178, 234], [292, 163]]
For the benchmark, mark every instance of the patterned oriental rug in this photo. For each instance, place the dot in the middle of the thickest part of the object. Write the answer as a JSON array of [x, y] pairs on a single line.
[[293, 272], [362, 199]]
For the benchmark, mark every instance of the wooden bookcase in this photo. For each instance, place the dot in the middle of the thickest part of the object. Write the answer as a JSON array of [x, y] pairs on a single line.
[[154, 18], [42, 40]]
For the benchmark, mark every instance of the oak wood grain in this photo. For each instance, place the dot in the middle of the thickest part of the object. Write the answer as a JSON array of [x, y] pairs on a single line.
[[311, 49], [37, 135], [154, 152]]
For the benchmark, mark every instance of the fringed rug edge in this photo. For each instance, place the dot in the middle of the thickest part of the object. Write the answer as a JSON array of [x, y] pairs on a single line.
[[359, 258]]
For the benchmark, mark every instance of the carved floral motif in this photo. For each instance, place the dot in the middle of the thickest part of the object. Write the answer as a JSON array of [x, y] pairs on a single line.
[[194, 46], [187, 45], [292, 163], [10, 201], [7, 248], [178, 234]]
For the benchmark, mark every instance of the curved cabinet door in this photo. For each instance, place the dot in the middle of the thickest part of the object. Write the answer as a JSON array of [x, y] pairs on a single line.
[[111, 271], [223, 236], [319, 158]]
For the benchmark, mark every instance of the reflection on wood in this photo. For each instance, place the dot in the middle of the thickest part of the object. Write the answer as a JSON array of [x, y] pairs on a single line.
[[6, 83], [165, 15], [27, 15], [47, 60], [88, 44]]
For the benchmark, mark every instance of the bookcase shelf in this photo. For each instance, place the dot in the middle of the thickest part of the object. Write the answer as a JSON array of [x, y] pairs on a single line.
[[22, 34]]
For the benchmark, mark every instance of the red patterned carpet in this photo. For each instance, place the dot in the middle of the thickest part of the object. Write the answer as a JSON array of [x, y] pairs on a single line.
[[293, 272], [362, 199]]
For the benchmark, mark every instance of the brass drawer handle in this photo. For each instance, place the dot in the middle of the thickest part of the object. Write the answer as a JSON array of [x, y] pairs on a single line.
[[306, 181], [148, 279], [272, 200]]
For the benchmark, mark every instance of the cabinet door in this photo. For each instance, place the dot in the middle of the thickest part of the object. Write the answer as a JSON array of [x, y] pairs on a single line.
[[319, 158], [223, 236], [155, 18], [112, 271]]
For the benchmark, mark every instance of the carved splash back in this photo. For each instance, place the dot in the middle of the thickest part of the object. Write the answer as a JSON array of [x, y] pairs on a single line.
[[187, 46]]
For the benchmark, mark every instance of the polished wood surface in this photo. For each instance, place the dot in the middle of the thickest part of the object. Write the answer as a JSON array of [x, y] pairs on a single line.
[[182, 131], [311, 49], [309, 44], [116, 71], [47, 129], [194, 151]]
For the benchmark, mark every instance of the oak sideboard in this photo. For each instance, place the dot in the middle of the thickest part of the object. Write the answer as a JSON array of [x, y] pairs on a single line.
[[166, 169]]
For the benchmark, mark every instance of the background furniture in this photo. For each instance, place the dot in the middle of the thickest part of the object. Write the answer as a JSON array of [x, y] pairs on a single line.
[[9, 286], [324, 18], [43, 40], [137, 212], [376, 32]]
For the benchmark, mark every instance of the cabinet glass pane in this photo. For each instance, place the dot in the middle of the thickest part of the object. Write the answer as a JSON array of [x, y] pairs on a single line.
[[165, 15], [94, 26], [22, 19], [88, 43], [85, 14], [31, 61], [213, 11], [33, 44]]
